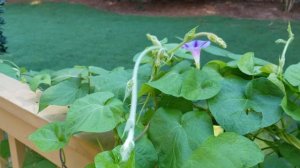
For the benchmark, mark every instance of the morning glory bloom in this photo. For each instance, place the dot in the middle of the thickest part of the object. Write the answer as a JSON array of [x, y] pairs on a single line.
[[195, 48]]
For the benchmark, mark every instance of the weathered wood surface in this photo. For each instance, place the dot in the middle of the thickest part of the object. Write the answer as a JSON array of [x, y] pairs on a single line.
[[19, 117]]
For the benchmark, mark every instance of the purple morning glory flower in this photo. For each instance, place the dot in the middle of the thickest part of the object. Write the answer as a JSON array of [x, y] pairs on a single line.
[[195, 48]]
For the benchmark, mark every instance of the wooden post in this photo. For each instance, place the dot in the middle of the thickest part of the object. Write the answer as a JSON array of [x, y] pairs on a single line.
[[17, 152]]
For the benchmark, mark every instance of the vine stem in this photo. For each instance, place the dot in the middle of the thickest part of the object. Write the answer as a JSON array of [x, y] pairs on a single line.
[[89, 81], [282, 58], [264, 140], [143, 107], [128, 145], [143, 133], [100, 145]]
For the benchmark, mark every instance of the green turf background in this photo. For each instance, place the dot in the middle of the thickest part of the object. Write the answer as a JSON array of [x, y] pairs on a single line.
[[59, 35]]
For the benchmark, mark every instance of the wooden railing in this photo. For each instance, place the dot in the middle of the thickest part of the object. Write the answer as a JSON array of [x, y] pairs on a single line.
[[19, 118]]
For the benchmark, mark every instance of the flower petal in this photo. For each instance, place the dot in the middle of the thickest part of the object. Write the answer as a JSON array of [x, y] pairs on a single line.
[[196, 44], [195, 48], [204, 44], [186, 46]]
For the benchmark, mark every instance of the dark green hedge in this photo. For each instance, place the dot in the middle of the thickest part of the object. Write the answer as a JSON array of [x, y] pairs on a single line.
[[2, 37]]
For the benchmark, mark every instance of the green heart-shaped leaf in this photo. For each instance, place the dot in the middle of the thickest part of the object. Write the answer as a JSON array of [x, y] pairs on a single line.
[[273, 161], [51, 137], [97, 112], [8, 70], [38, 80], [112, 159], [61, 75], [176, 135], [245, 106], [114, 81], [64, 93], [290, 153], [291, 104], [228, 150], [246, 64], [292, 74], [190, 83], [145, 154]]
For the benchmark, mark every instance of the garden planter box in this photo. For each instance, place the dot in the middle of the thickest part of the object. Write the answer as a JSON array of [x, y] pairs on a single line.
[[19, 118]]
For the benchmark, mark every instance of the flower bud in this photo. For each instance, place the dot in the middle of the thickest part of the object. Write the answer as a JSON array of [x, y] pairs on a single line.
[[215, 39]]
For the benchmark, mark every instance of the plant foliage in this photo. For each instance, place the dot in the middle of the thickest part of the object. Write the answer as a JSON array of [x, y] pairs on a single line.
[[179, 107]]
